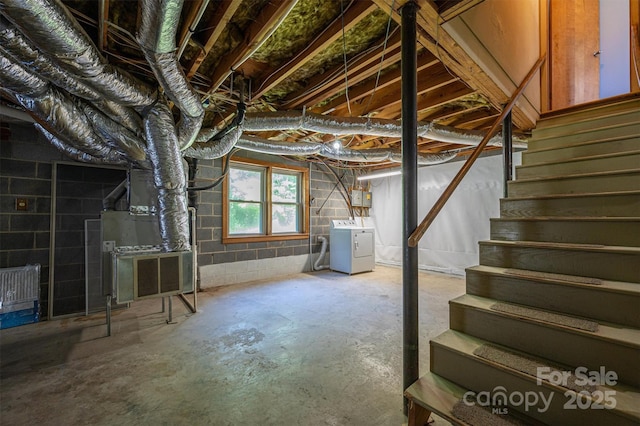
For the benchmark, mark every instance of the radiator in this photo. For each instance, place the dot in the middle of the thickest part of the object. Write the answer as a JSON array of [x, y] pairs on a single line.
[[19, 295]]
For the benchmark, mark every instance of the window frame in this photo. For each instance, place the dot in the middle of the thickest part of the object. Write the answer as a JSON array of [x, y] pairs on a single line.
[[268, 169]]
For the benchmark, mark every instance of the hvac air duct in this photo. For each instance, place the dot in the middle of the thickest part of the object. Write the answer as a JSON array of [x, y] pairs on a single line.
[[168, 176], [341, 126], [157, 38]]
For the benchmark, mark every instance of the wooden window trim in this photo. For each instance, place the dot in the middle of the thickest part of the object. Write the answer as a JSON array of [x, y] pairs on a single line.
[[304, 197]]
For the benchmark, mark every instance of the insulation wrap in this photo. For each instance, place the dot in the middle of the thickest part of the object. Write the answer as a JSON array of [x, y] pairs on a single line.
[[266, 146], [168, 177], [53, 30]]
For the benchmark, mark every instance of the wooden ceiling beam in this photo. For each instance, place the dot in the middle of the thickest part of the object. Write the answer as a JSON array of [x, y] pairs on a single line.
[[432, 99], [333, 81], [267, 21], [437, 40], [215, 26], [388, 98], [458, 9], [425, 61], [353, 15]]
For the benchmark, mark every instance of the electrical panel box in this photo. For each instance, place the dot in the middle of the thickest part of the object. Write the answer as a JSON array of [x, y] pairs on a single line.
[[356, 198], [366, 199]]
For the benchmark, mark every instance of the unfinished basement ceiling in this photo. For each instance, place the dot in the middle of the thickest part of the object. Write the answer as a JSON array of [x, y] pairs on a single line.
[[330, 57]]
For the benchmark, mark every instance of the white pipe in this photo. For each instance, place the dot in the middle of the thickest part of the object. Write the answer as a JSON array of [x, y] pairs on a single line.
[[323, 251]]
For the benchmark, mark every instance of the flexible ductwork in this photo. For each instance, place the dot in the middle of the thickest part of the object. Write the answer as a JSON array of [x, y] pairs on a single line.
[[57, 111], [22, 51], [266, 146], [361, 156], [168, 177], [426, 159], [52, 28], [341, 126], [157, 36], [214, 149], [75, 154]]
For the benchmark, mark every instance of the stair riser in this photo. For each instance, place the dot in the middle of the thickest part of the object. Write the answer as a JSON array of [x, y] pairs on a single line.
[[596, 264], [455, 367], [561, 345], [589, 114], [618, 205], [578, 151], [623, 233], [578, 185], [585, 301], [624, 131], [552, 136], [625, 162]]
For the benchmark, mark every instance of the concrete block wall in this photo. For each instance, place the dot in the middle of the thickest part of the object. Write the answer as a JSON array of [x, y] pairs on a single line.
[[25, 172]]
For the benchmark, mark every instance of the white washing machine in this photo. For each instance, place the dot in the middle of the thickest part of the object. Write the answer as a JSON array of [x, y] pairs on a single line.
[[352, 247]]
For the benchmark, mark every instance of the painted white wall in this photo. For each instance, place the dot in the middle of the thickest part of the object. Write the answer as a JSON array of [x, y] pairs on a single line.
[[503, 37], [614, 47], [451, 243]]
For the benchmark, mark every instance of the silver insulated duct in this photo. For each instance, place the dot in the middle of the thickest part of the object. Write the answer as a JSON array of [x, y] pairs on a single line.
[[157, 37], [168, 177], [342, 126]]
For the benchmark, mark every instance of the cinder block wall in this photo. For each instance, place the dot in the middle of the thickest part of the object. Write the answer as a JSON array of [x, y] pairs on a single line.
[[26, 160]]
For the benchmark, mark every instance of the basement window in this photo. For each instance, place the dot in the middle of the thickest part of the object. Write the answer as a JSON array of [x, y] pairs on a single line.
[[265, 202]]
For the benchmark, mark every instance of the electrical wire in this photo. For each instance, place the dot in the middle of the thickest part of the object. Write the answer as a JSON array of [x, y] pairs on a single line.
[[344, 56]]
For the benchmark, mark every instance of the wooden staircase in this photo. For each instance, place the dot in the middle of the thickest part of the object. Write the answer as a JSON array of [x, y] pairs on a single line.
[[557, 290]]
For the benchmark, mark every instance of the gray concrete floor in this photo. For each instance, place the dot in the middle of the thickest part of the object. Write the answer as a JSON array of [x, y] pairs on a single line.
[[321, 348]]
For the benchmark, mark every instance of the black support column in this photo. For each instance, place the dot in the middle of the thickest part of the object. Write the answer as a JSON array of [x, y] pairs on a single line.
[[507, 153], [410, 195]]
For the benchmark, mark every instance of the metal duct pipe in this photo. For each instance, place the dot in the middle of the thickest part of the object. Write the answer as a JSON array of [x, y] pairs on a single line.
[[157, 37], [52, 28], [76, 154], [266, 146], [109, 202], [22, 51], [340, 126], [362, 156], [168, 177], [426, 159], [58, 112], [214, 149]]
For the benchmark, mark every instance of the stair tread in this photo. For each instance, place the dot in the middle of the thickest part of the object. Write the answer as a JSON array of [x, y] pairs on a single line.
[[626, 396], [564, 246], [606, 331], [547, 124], [586, 131], [578, 159], [573, 195], [563, 279], [439, 395], [576, 176], [567, 219], [587, 143], [627, 99]]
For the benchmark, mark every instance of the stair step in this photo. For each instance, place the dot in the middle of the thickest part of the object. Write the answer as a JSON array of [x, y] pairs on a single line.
[[563, 343], [502, 371], [622, 180], [442, 397], [610, 301], [580, 150], [609, 204], [629, 102], [624, 123], [598, 261], [592, 164], [580, 230]]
